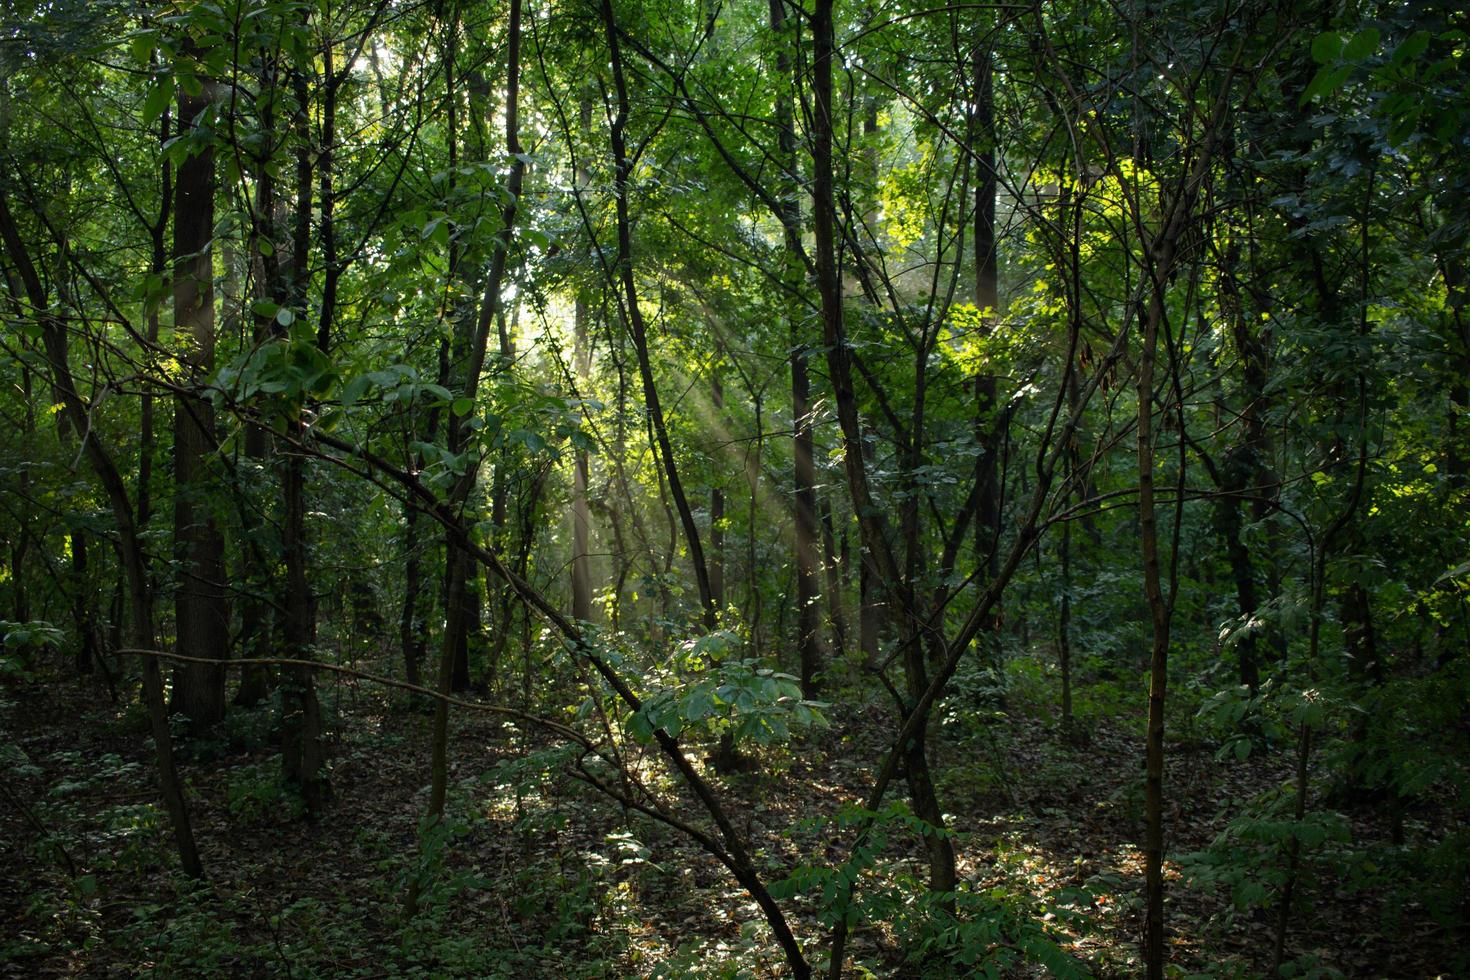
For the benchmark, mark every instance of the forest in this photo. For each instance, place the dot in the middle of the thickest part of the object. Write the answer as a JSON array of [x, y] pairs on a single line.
[[734, 488]]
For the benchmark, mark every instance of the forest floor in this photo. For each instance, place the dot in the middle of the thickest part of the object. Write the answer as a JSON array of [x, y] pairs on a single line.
[[540, 877]]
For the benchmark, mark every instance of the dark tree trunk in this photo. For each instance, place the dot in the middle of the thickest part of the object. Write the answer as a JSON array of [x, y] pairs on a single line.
[[458, 434], [870, 611], [1228, 524], [413, 638], [1153, 847], [141, 634], [581, 512], [1064, 628], [257, 614], [839, 365], [302, 752], [637, 329], [808, 615], [201, 608], [989, 434], [833, 563], [84, 606], [717, 506]]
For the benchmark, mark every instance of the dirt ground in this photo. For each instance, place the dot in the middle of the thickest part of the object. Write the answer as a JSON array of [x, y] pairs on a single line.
[[540, 876]]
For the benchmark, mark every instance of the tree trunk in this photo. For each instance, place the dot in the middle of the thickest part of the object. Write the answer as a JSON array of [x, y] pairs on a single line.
[[939, 846], [581, 512], [717, 505], [1064, 629], [141, 634], [302, 753], [808, 615], [988, 431], [84, 606], [257, 615], [832, 564], [457, 435], [633, 314], [1159, 608], [200, 606]]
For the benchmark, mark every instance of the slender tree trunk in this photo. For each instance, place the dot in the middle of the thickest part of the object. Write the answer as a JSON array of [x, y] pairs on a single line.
[[1064, 628], [84, 606], [939, 846], [1158, 606], [582, 364], [458, 433], [500, 529], [20, 609], [717, 505], [988, 431], [302, 751], [636, 327], [753, 482], [1244, 465], [141, 633], [1229, 526], [457, 574], [412, 629], [200, 606], [870, 610], [257, 615], [808, 614], [832, 564], [158, 266], [1356, 610], [726, 758]]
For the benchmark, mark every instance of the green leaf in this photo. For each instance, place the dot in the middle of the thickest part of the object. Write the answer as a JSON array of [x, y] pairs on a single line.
[[698, 705], [1327, 80], [1364, 43], [1412, 47], [156, 101], [1326, 47], [531, 440], [437, 231], [355, 389], [142, 47], [463, 406], [639, 728]]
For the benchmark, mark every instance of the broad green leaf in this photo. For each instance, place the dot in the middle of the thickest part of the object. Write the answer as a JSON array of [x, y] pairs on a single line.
[[1364, 43], [1326, 47], [157, 100]]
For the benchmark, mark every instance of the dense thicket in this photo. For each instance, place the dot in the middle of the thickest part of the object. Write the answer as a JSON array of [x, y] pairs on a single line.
[[759, 408]]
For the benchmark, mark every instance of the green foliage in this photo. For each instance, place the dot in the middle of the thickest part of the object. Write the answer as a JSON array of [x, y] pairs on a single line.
[[755, 703], [704, 689], [1248, 858], [256, 794], [994, 933], [1309, 459], [21, 642]]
